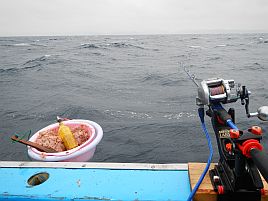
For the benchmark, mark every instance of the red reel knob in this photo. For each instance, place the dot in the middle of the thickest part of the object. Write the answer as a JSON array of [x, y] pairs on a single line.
[[255, 130]]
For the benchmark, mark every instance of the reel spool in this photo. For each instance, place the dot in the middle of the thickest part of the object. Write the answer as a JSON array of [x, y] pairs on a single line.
[[217, 90]]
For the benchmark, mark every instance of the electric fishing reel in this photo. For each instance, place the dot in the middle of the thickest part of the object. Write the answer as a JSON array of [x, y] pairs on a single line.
[[236, 175], [217, 90]]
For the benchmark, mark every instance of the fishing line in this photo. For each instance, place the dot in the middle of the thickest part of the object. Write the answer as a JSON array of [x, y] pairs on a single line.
[[191, 76], [201, 113]]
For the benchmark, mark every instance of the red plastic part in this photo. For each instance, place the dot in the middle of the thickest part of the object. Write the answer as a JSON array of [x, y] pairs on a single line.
[[229, 147], [234, 134], [248, 145], [255, 130], [220, 189]]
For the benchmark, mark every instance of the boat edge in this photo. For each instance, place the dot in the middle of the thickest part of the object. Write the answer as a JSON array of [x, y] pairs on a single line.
[[94, 165]]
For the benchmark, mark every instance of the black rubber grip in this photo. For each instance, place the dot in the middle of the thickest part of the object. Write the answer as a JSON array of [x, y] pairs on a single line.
[[223, 114], [260, 159]]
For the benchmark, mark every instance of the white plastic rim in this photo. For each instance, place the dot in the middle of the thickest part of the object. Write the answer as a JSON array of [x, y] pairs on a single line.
[[68, 152], [88, 146]]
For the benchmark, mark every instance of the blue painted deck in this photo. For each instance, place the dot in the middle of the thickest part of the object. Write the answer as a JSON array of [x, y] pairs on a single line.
[[95, 184]]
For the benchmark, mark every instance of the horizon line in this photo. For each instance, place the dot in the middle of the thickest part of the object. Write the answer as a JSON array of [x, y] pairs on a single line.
[[200, 32]]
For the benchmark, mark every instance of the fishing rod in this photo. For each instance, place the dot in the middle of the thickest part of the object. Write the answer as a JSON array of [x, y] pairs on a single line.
[[236, 176], [191, 76]]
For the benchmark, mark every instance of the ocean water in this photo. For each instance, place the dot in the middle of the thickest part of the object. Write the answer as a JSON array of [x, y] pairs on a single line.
[[133, 86]]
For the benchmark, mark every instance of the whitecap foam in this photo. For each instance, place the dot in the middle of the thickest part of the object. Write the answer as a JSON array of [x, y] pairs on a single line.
[[22, 44], [196, 47], [179, 115], [222, 45]]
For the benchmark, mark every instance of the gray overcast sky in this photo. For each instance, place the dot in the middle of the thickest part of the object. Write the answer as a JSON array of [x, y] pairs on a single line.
[[86, 17]]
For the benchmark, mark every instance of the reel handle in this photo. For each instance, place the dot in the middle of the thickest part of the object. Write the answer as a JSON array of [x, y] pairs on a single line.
[[260, 159], [262, 113]]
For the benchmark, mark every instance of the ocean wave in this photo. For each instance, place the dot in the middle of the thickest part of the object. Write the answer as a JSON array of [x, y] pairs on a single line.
[[253, 67], [7, 70], [97, 54], [170, 82], [124, 45], [89, 46], [84, 74], [9, 40], [24, 116], [34, 63], [38, 45], [213, 58], [179, 56], [15, 44], [39, 59], [161, 80], [22, 45], [263, 41], [257, 40], [256, 66], [151, 77]]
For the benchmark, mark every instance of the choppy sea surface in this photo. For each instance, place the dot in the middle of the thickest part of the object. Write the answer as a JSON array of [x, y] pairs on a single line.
[[133, 86]]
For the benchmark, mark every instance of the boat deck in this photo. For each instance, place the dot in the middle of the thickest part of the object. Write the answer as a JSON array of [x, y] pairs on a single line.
[[105, 181], [95, 181]]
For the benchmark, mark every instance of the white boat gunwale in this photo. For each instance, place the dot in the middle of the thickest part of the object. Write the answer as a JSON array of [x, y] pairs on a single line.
[[94, 165]]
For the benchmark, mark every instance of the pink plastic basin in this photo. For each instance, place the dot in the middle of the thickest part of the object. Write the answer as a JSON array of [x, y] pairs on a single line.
[[82, 153]]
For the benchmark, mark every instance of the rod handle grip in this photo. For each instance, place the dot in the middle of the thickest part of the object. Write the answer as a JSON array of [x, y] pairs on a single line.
[[260, 159]]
